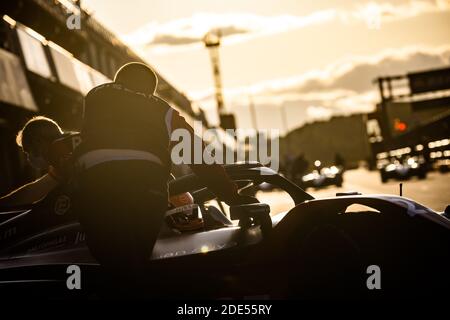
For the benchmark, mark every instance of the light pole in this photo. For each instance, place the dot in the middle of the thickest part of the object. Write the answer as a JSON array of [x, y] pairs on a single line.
[[212, 43]]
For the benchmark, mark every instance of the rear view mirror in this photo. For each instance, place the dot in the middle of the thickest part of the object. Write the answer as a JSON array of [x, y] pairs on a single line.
[[252, 214]]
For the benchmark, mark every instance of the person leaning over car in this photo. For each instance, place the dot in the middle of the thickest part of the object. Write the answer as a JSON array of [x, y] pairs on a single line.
[[48, 150], [37, 141], [44, 144], [124, 165]]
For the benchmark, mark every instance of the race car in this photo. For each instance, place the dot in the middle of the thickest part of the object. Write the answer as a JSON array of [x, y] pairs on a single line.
[[403, 169], [319, 248], [321, 177], [442, 165]]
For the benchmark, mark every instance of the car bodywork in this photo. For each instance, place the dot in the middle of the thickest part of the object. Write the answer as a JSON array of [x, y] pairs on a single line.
[[316, 249]]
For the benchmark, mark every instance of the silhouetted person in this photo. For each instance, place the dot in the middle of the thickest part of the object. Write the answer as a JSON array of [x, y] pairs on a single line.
[[286, 165], [124, 162], [339, 161], [38, 140], [299, 166]]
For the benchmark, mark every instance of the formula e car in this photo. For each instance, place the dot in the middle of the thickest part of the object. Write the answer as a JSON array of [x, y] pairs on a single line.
[[322, 177], [403, 170], [318, 248]]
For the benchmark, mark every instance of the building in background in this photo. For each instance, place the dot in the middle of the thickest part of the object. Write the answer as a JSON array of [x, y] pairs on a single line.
[[412, 118]]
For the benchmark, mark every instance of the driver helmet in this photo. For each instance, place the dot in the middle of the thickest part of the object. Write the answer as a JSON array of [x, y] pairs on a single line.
[[183, 214]]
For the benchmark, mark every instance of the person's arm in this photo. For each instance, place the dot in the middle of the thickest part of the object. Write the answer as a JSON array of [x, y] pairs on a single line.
[[213, 175], [31, 192]]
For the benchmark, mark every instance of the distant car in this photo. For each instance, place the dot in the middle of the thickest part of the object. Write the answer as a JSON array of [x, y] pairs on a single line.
[[443, 165], [316, 248], [322, 177], [404, 169]]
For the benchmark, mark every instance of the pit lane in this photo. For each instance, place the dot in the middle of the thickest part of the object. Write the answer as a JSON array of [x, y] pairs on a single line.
[[433, 192]]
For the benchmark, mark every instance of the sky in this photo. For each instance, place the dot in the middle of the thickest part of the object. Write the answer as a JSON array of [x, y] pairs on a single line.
[[308, 60]]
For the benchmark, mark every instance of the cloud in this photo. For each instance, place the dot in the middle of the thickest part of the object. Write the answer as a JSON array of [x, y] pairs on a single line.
[[246, 25], [237, 27], [375, 13], [319, 113], [357, 73], [344, 87], [173, 39], [352, 74]]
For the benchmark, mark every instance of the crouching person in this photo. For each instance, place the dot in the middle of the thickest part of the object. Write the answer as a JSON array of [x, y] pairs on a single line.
[[37, 140]]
